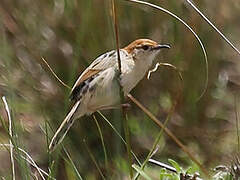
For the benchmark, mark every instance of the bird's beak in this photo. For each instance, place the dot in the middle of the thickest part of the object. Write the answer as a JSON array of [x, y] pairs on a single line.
[[160, 46]]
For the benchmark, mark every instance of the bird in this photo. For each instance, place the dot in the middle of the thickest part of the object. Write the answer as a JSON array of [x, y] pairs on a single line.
[[98, 87]]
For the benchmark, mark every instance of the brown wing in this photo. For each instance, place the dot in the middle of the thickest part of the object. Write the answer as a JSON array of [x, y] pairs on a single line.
[[81, 84], [86, 75], [101, 63]]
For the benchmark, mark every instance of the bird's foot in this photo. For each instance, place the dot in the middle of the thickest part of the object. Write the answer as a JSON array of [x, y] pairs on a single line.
[[126, 106]]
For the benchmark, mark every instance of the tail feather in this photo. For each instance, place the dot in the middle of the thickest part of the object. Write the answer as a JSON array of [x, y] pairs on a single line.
[[63, 128]]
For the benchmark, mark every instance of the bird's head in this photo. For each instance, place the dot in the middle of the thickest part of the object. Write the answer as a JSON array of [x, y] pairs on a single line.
[[144, 49]]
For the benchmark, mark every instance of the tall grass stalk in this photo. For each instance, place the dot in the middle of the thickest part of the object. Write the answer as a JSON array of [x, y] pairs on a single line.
[[93, 159], [121, 93], [79, 177], [102, 141], [10, 134], [20, 162]]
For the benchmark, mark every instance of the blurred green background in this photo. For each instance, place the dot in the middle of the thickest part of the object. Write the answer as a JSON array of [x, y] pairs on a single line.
[[70, 34]]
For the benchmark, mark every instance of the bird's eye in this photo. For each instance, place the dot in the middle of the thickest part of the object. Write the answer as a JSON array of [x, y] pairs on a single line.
[[145, 47]]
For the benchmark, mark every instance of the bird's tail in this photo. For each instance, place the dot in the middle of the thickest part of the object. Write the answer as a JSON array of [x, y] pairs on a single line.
[[64, 127]]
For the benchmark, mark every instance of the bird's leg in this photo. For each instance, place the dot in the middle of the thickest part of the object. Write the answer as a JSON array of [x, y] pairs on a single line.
[[126, 106], [103, 108]]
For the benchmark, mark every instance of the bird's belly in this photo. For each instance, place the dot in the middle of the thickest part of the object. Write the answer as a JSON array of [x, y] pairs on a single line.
[[104, 98]]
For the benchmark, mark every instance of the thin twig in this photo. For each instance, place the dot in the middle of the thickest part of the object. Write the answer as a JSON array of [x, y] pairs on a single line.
[[169, 168], [10, 134], [114, 9], [213, 26], [54, 74], [165, 65]]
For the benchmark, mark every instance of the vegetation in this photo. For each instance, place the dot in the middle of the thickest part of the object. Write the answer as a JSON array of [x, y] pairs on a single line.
[[176, 127]]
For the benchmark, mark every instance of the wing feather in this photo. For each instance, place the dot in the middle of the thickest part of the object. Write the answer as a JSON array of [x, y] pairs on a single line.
[[103, 62]]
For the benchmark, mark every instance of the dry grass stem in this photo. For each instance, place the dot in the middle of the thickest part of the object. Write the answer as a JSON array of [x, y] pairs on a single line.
[[11, 135], [169, 168], [54, 74], [121, 93]]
